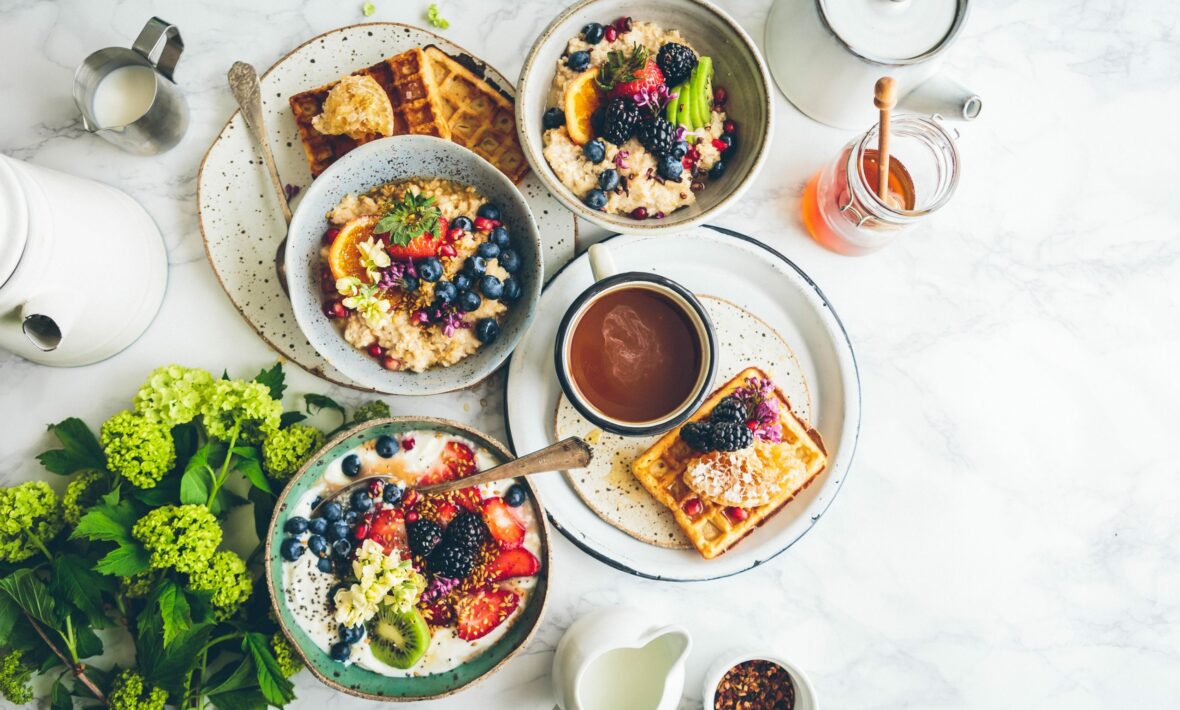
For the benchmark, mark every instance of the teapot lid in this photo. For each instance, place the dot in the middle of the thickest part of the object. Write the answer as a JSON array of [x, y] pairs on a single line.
[[14, 219], [894, 31]]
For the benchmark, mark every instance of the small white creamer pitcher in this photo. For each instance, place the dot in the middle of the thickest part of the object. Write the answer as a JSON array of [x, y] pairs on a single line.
[[617, 658]]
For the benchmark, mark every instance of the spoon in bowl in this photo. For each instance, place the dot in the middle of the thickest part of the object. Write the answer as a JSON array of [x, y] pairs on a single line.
[[243, 82], [565, 454]]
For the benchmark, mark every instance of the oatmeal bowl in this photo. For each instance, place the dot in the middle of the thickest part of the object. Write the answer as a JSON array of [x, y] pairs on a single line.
[[645, 119], [414, 266]]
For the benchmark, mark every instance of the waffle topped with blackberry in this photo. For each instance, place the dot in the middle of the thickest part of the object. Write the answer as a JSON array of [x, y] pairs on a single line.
[[734, 464]]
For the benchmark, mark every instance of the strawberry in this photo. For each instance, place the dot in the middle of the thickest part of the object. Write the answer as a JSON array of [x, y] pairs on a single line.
[[513, 563], [437, 613], [468, 498], [502, 523], [420, 247], [483, 610], [624, 74], [457, 461], [447, 512], [389, 530]]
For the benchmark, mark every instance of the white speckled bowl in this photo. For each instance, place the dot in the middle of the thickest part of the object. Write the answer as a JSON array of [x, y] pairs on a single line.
[[738, 67], [386, 160]]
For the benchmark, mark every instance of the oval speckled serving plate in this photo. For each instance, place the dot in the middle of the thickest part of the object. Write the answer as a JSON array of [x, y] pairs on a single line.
[[358, 681], [710, 261], [237, 211]]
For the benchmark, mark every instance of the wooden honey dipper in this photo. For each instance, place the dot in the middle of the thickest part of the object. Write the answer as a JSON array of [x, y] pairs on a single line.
[[884, 98]]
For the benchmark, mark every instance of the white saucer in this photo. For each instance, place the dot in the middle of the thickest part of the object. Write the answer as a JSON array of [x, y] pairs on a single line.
[[715, 262]]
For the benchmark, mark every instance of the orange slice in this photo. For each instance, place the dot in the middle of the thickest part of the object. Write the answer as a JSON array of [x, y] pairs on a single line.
[[344, 259], [581, 99]]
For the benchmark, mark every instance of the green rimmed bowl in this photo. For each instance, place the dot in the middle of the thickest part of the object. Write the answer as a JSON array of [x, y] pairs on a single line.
[[364, 683]]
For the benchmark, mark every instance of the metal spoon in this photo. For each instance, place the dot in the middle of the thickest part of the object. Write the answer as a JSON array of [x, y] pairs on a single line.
[[565, 454], [243, 82]]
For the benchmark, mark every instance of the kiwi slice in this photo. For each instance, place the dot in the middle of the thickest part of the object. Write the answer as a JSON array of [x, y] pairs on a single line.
[[398, 639], [702, 81], [682, 103]]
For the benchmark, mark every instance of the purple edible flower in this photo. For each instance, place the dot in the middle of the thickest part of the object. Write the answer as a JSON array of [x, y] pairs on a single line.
[[291, 191], [762, 408], [621, 159], [679, 134], [420, 316], [395, 274], [438, 587], [451, 322]]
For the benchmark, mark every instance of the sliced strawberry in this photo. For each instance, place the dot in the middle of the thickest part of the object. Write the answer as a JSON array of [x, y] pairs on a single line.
[[513, 563], [502, 523], [447, 512], [420, 247], [648, 79], [468, 498], [460, 458], [389, 530], [483, 610], [437, 613]]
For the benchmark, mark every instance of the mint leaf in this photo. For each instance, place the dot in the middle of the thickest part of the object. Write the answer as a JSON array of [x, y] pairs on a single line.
[[174, 610], [127, 559], [30, 594], [275, 688], [74, 580], [274, 379]]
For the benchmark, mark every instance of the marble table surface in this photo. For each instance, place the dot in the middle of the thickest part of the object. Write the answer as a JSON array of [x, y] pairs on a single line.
[[1009, 536]]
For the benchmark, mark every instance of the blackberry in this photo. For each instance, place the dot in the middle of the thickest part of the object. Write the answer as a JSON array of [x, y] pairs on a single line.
[[676, 62], [424, 535], [728, 410], [620, 119], [451, 561], [467, 530], [657, 135], [731, 436], [698, 435]]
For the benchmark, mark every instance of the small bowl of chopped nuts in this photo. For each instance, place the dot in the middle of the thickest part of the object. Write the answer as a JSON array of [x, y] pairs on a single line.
[[748, 678]]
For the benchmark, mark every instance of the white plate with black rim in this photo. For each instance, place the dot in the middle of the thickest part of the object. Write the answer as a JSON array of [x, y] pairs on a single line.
[[737, 269]]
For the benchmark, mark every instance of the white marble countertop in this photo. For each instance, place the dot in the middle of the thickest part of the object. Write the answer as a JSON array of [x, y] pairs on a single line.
[[1009, 537]]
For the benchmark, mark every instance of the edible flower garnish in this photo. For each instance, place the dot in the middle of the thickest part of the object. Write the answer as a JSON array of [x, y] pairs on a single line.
[[412, 217], [434, 18], [373, 257], [654, 99], [761, 408], [369, 303], [395, 275], [381, 580], [621, 159], [368, 8], [348, 285]]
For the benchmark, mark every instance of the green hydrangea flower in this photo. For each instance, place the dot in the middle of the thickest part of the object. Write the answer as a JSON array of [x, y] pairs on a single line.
[[14, 678], [81, 493], [173, 394], [139, 586], [227, 578], [289, 663], [286, 450], [247, 405], [373, 410], [130, 692], [180, 536], [29, 513], [139, 449]]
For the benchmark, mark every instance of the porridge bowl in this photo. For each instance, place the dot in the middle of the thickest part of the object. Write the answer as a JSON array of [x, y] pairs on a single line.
[[414, 266], [645, 119]]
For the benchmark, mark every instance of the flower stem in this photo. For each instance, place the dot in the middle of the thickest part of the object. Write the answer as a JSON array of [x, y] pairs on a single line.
[[229, 454], [78, 669]]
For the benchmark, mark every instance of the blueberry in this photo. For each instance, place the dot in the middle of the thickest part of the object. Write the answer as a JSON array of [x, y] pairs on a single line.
[[491, 287], [487, 329], [717, 170], [410, 283], [340, 651], [488, 211], [315, 502], [332, 511], [595, 151], [595, 199], [553, 118], [593, 33], [291, 549], [509, 260], [515, 495], [296, 525], [463, 223], [578, 61], [342, 547], [361, 501], [462, 281], [332, 593], [387, 446], [351, 465], [351, 517], [324, 564], [608, 179], [352, 634], [444, 292], [430, 269], [475, 266], [670, 168], [318, 545], [488, 250], [679, 149], [727, 139], [499, 237], [319, 526], [337, 531], [511, 291], [468, 301], [392, 494]]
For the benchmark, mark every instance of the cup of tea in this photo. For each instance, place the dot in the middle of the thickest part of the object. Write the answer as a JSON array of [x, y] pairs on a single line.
[[635, 352]]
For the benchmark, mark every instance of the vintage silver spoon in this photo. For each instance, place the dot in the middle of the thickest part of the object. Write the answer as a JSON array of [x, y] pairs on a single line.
[[243, 82], [565, 454]]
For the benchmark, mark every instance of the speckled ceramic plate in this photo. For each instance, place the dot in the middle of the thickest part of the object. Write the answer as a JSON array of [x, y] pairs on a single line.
[[353, 679], [608, 487], [237, 210], [746, 273]]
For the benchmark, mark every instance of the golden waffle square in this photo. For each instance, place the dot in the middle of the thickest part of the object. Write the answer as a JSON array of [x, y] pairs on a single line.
[[478, 116], [407, 79], [661, 471]]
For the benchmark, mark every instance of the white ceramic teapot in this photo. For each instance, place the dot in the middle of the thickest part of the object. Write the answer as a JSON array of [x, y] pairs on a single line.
[[826, 55], [82, 266], [617, 658]]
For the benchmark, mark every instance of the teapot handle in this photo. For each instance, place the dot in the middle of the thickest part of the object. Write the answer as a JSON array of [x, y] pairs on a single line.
[[943, 96], [165, 36], [47, 318]]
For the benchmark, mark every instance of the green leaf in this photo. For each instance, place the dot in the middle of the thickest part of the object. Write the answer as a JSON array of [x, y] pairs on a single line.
[[87, 642], [80, 448], [31, 596], [275, 688], [166, 492], [101, 678], [198, 476], [185, 438], [245, 699], [226, 500], [106, 522], [274, 379], [252, 470], [59, 697], [9, 615], [128, 559], [174, 610], [168, 669], [234, 676], [264, 506], [316, 402], [74, 580], [290, 418]]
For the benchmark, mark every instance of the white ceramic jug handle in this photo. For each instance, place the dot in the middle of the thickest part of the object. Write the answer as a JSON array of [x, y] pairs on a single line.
[[943, 96], [602, 264]]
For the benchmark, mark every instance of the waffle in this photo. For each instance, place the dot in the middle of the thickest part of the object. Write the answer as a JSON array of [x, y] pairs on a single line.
[[407, 79], [661, 471], [478, 116]]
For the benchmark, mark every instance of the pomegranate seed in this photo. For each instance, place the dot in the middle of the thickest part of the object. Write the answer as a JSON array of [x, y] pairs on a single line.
[[483, 224], [688, 163], [447, 249], [408, 443], [611, 34], [391, 363], [639, 213], [720, 95], [692, 507], [752, 425], [335, 309], [375, 488], [375, 350], [327, 282], [660, 215], [362, 531], [330, 235], [623, 25], [729, 126], [736, 514], [454, 234], [719, 144], [367, 518], [412, 516]]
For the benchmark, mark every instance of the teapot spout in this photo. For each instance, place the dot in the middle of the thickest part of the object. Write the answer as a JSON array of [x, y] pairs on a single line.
[[46, 319], [943, 96]]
